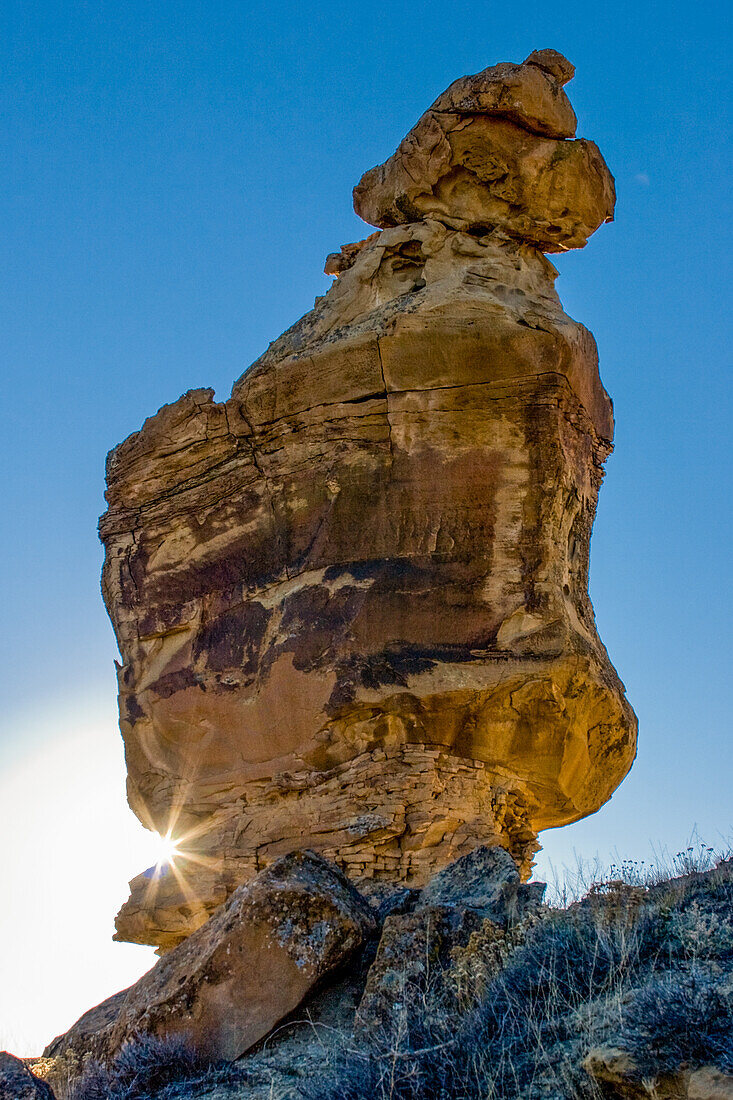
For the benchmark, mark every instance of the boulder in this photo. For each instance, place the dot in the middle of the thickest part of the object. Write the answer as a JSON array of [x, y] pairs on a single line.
[[486, 880], [252, 963], [420, 948], [351, 600], [494, 153], [709, 1083], [414, 952], [617, 1072], [18, 1083]]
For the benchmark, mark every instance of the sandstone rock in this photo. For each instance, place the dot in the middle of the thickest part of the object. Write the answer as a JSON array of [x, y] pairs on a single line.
[[386, 898], [554, 63], [617, 1071], [492, 153], [709, 1083], [18, 1083], [486, 880], [351, 600], [417, 949], [414, 949], [253, 962], [614, 1068]]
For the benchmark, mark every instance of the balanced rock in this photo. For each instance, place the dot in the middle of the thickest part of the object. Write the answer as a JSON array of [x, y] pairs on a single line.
[[252, 963], [352, 599]]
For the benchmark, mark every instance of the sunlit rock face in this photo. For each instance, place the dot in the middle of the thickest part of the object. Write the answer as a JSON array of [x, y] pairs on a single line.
[[352, 600]]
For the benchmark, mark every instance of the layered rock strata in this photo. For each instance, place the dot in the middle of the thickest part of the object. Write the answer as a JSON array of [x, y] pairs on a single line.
[[352, 599]]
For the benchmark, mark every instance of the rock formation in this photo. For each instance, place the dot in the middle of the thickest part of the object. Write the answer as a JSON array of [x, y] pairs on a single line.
[[470, 987], [352, 599], [18, 1083]]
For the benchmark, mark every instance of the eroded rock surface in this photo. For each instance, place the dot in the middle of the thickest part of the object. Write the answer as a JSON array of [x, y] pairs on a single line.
[[420, 950], [495, 151], [352, 599], [234, 979], [618, 1074], [486, 881], [18, 1083]]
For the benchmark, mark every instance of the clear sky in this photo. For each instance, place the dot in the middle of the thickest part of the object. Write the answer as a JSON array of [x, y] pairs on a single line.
[[172, 178]]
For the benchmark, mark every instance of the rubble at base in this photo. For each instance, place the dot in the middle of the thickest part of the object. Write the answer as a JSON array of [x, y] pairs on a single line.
[[627, 991]]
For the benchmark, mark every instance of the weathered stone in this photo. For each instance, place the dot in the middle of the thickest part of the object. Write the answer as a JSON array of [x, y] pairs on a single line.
[[386, 898], [554, 63], [414, 950], [486, 880], [18, 1083], [418, 945], [351, 600], [618, 1073], [253, 962], [709, 1083], [492, 153]]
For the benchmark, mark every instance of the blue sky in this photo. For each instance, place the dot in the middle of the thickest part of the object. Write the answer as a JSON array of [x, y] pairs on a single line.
[[172, 178]]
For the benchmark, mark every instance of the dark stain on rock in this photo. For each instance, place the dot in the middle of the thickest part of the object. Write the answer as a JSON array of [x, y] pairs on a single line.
[[232, 639], [173, 682]]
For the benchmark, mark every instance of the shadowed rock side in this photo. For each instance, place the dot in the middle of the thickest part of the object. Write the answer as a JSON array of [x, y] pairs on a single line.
[[18, 1083], [253, 962], [352, 600]]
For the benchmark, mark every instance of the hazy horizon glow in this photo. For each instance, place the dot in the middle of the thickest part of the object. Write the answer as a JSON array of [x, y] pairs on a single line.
[[74, 846]]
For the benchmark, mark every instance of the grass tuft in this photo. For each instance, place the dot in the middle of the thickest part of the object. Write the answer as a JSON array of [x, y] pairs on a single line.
[[142, 1068]]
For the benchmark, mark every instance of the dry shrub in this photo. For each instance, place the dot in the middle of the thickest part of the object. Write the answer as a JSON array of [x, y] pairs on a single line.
[[142, 1068], [640, 967]]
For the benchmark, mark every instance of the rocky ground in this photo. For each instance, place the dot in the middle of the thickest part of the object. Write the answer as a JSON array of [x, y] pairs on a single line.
[[473, 989]]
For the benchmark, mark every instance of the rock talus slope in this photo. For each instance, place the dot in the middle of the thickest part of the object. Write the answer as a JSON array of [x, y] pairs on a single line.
[[352, 599]]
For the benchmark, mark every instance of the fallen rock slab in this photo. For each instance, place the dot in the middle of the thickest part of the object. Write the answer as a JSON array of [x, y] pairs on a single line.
[[253, 962], [418, 950], [414, 948]]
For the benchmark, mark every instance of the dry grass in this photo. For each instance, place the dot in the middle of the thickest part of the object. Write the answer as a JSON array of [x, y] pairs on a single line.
[[639, 958], [641, 961]]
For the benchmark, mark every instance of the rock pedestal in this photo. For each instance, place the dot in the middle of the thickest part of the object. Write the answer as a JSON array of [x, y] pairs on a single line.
[[352, 599]]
